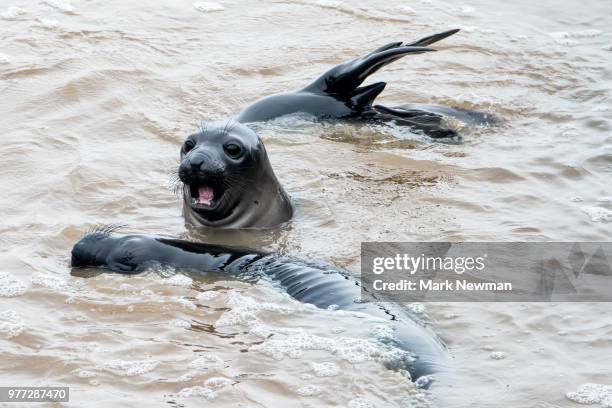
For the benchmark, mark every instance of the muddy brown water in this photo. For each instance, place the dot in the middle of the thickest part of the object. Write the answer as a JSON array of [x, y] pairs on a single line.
[[97, 97]]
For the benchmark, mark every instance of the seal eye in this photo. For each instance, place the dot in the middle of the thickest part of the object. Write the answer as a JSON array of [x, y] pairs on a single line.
[[233, 150], [189, 144]]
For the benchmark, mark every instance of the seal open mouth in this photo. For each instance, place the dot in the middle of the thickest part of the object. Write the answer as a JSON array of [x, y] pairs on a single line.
[[203, 196]]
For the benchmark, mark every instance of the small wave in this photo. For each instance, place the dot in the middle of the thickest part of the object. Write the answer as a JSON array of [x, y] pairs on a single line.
[[206, 361], [576, 34], [60, 5], [12, 13], [5, 59], [598, 214], [48, 23], [361, 403], [208, 6], [570, 38]]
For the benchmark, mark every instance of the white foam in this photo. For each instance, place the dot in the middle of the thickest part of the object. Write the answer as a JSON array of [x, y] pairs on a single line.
[[467, 11], [383, 332], [177, 280], [308, 391], [217, 382], [180, 323], [5, 59], [131, 368], [126, 287], [187, 377], [352, 350], [197, 391], [361, 403], [12, 12], [61, 5], [208, 6], [417, 308], [325, 369], [598, 214], [498, 355], [10, 324], [576, 34], [186, 303], [9, 285], [206, 361], [53, 282], [590, 394], [244, 311], [329, 3], [85, 374], [48, 23], [406, 10], [208, 295]]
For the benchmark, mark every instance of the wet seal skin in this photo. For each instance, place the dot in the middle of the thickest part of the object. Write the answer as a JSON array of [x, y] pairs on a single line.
[[308, 282], [227, 180], [337, 94]]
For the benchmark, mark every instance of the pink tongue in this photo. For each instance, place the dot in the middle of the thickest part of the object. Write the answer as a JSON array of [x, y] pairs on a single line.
[[206, 195]]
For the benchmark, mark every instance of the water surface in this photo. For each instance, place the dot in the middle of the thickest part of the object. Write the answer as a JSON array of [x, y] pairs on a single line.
[[97, 97]]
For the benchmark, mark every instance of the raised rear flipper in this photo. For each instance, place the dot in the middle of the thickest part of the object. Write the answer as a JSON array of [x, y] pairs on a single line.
[[345, 78]]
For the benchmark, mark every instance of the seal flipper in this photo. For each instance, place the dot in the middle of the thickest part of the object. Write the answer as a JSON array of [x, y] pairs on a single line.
[[423, 42], [417, 115], [363, 97], [428, 122], [343, 79]]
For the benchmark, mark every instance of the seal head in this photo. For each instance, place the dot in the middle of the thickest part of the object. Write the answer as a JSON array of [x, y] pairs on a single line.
[[228, 181]]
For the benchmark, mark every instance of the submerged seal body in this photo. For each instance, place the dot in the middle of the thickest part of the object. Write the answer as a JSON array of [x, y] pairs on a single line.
[[227, 180], [337, 94], [304, 281]]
